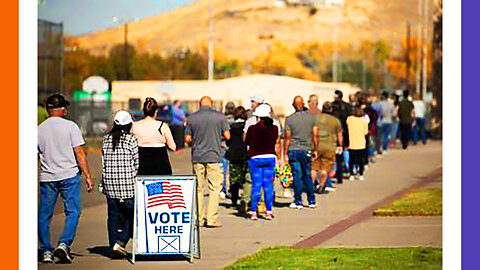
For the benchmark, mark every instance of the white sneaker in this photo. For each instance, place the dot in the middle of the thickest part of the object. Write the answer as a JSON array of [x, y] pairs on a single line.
[[222, 195], [119, 250], [330, 189], [296, 206], [361, 178], [47, 257], [352, 178], [312, 205], [365, 167]]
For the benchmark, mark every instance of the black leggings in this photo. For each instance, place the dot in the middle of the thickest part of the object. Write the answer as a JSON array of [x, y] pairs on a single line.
[[357, 159]]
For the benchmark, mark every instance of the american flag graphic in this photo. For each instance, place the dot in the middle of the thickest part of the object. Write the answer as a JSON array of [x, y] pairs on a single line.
[[165, 193]]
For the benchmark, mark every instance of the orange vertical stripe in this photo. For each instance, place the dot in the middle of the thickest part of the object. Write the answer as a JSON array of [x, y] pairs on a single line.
[[9, 134]]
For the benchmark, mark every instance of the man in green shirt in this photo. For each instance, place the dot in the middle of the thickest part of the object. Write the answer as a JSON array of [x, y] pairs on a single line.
[[329, 137]]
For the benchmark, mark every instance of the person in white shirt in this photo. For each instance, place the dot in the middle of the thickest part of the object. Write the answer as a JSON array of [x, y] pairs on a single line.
[[419, 108]]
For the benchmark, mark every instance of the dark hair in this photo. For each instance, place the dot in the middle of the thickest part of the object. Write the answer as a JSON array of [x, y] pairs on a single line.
[[339, 94], [385, 94], [267, 120], [357, 111], [150, 107], [405, 93], [240, 112], [327, 107], [117, 131]]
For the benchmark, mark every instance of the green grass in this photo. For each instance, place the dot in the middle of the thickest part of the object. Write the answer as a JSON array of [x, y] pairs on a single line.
[[342, 258], [422, 202]]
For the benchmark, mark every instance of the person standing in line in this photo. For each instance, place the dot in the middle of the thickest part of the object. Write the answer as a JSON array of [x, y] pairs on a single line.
[[205, 129], [357, 129], [178, 116], [119, 172], [387, 114], [154, 137], [229, 107], [60, 145], [330, 141], [256, 100], [264, 149], [319, 186], [405, 115], [301, 131], [341, 110], [420, 109], [372, 125], [313, 109], [237, 154]]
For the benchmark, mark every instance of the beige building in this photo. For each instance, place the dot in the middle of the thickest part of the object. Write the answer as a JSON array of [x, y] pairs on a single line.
[[278, 91]]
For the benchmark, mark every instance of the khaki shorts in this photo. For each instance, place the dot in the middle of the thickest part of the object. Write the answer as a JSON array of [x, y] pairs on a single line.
[[324, 161]]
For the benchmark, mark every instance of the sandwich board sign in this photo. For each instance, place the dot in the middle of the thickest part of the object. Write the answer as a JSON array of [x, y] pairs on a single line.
[[166, 216]]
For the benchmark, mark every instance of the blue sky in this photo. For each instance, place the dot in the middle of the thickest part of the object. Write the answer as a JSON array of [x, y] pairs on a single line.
[[83, 16]]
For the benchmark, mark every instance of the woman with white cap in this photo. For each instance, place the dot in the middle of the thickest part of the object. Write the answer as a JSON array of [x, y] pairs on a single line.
[[262, 139], [119, 171]]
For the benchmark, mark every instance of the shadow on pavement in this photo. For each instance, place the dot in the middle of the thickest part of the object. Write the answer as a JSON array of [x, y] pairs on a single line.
[[101, 250], [172, 257]]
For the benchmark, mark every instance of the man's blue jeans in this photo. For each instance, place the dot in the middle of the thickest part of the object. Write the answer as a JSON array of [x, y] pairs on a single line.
[[120, 221], [386, 131], [419, 131], [301, 164], [262, 171], [69, 189]]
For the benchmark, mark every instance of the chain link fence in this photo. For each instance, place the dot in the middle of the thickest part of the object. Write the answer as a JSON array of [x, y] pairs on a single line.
[[50, 59]]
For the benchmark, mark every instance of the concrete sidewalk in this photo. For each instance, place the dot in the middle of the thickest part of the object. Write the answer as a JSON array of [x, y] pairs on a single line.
[[239, 236]]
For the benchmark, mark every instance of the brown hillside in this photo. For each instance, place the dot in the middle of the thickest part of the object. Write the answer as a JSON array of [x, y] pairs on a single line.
[[245, 28]]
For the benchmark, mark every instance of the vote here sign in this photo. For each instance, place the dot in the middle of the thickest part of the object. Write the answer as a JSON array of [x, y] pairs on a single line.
[[164, 215]]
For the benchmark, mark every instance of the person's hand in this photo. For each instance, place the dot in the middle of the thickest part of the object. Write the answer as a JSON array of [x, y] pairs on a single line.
[[285, 159], [314, 155], [339, 150], [90, 184]]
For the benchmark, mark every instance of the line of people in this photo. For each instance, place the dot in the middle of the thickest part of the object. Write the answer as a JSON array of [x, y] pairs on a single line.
[[333, 142]]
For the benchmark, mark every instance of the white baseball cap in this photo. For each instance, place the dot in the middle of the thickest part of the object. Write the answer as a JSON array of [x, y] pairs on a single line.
[[122, 118], [257, 98], [263, 110]]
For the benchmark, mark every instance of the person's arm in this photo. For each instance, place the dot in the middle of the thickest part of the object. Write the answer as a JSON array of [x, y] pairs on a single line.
[[288, 135], [82, 163], [278, 149], [134, 152], [170, 142], [315, 141]]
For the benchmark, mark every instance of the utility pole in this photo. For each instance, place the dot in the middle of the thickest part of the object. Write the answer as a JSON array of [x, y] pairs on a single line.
[[335, 56], [419, 45], [425, 41], [407, 59], [127, 69], [210, 42]]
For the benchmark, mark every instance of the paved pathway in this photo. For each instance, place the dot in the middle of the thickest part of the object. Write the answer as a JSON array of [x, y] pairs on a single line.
[[239, 237]]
